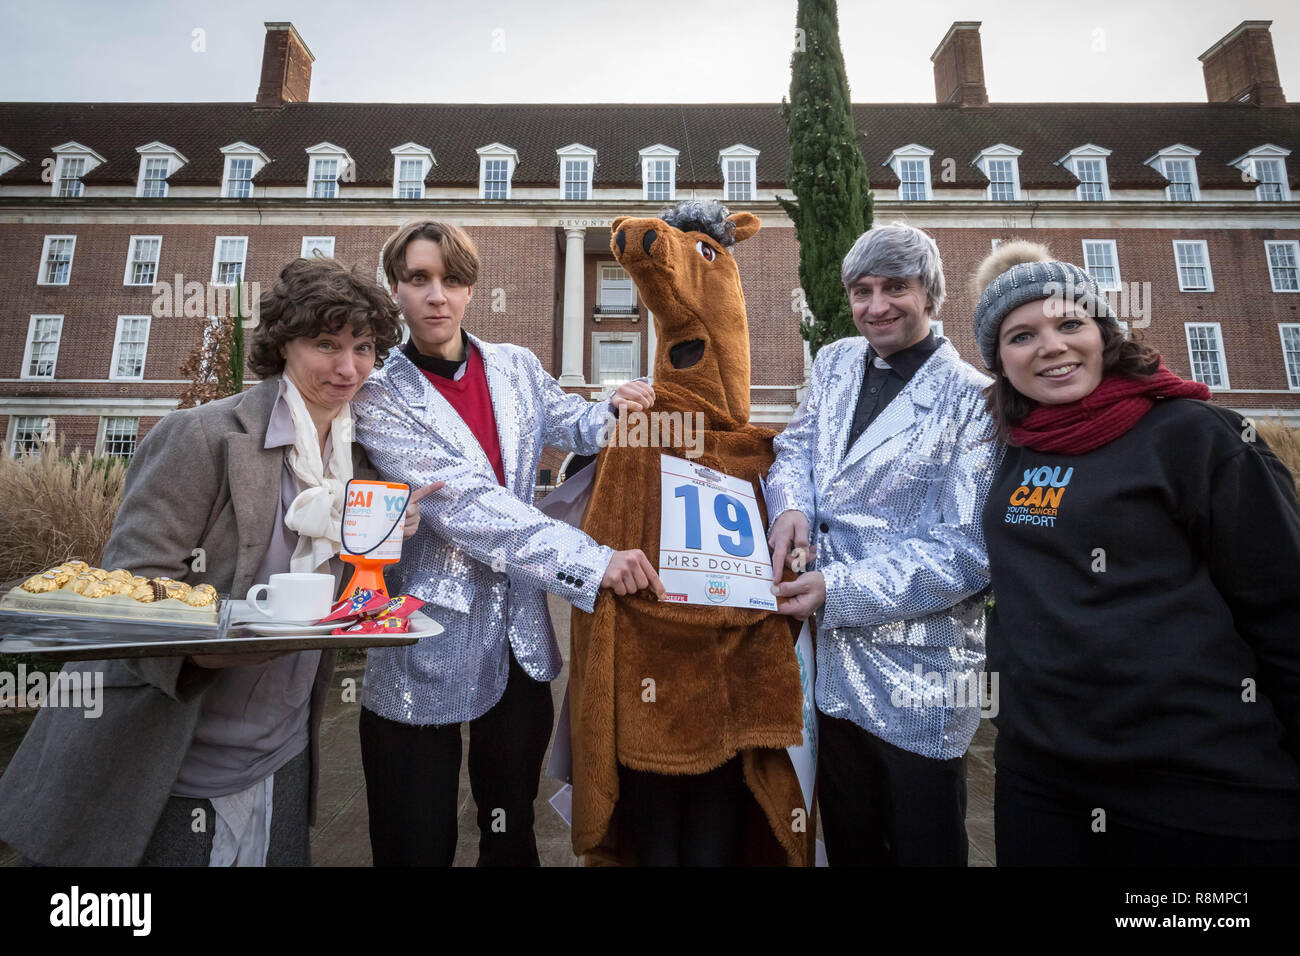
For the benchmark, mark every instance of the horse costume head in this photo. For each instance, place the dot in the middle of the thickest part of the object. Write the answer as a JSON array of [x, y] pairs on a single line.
[[682, 264]]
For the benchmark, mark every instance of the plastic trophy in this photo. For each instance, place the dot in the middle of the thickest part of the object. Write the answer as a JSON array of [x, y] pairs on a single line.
[[371, 531]]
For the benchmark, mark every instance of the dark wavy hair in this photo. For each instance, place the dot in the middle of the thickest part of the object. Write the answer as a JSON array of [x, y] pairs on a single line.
[[702, 215], [316, 296], [1119, 356]]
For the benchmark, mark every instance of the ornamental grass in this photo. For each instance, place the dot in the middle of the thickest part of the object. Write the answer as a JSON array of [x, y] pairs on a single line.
[[60, 507], [1285, 442]]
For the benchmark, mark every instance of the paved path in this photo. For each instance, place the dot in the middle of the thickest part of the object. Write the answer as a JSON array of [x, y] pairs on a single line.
[[341, 836]]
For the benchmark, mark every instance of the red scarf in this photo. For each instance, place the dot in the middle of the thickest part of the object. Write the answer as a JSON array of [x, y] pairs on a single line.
[[1109, 411]]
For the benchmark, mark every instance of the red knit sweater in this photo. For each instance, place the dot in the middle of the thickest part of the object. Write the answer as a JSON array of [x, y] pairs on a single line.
[[473, 402]]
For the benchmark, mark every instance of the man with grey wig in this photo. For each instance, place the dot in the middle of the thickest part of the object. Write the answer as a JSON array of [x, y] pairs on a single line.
[[887, 463]]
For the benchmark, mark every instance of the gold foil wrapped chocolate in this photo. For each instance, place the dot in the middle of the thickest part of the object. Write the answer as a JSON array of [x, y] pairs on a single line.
[[81, 582], [98, 589], [41, 583], [174, 589], [144, 593], [201, 595]]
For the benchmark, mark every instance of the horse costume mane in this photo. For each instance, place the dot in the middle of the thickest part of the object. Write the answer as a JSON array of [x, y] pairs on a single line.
[[726, 679]]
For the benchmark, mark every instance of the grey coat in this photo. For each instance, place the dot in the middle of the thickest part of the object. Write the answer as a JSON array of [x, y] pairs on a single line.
[[89, 792]]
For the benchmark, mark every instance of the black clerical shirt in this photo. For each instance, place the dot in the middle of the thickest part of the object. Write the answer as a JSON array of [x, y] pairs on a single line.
[[447, 368], [880, 386]]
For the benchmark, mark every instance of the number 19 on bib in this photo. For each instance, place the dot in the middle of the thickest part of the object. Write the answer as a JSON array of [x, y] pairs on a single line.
[[712, 545]]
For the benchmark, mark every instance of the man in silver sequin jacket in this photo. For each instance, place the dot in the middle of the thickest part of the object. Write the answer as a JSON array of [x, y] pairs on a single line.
[[477, 415], [882, 474]]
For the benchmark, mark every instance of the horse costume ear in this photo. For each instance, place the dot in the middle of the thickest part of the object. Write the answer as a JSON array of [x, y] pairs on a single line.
[[746, 224]]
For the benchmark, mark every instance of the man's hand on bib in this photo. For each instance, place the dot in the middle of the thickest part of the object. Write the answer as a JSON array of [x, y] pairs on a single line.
[[802, 596], [631, 571]]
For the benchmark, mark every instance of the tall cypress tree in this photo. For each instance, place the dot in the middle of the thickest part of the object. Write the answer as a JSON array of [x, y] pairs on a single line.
[[832, 204], [237, 341]]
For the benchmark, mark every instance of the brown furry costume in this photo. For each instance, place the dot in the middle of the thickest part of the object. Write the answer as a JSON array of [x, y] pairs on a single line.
[[726, 679]]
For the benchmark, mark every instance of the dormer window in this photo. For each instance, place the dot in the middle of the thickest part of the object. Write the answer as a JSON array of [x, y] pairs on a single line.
[[911, 165], [1267, 165], [1001, 164], [496, 167], [577, 169], [1088, 164], [325, 164], [1178, 165], [157, 162], [8, 160], [411, 164], [739, 173], [71, 169], [243, 162], [659, 173], [72, 161]]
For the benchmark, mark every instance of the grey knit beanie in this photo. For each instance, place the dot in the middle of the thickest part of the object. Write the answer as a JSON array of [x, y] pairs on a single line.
[[1025, 281]]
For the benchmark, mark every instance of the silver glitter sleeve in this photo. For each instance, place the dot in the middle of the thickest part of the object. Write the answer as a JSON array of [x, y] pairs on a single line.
[[789, 483], [942, 562], [485, 520], [570, 422]]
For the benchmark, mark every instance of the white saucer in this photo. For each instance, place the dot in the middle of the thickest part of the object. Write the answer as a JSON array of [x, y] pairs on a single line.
[[421, 626], [278, 629]]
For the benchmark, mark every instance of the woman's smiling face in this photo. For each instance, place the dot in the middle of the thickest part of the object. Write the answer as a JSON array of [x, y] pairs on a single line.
[[1051, 351]]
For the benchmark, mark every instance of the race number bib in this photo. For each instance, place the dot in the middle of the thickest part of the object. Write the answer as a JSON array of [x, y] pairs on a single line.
[[712, 544]]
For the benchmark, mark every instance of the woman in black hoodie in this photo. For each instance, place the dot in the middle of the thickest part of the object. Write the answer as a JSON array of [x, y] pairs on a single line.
[[1145, 553]]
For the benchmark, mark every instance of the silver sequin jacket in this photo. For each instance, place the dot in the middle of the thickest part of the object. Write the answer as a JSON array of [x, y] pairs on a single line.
[[896, 525], [483, 557]]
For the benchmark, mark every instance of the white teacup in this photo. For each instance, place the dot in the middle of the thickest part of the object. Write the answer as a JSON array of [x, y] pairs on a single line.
[[294, 598]]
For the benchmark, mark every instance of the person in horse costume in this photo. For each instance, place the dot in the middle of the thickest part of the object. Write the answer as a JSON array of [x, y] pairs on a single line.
[[680, 714]]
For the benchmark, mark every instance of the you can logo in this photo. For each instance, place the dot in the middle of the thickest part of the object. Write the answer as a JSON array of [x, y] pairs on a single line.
[[718, 590], [75, 908], [1037, 500]]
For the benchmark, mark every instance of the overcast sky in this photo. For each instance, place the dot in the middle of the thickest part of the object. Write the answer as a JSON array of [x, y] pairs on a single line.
[[665, 51]]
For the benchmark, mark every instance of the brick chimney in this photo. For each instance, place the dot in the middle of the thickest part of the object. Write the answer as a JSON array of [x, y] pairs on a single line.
[[286, 67], [959, 66], [1241, 67]]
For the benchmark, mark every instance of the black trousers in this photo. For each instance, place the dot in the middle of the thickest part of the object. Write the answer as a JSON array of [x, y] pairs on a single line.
[[413, 778], [1035, 826], [689, 820], [884, 806]]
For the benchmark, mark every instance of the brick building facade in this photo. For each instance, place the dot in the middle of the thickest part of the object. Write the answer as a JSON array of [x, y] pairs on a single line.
[[1188, 210]]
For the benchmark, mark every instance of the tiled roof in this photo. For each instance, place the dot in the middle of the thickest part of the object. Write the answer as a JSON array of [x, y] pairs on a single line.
[[368, 131]]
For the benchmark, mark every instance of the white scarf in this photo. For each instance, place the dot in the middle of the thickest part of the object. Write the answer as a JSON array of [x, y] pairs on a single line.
[[317, 512]]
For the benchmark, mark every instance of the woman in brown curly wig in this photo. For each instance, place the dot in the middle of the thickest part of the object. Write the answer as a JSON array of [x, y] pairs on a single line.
[[253, 483], [1144, 546]]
